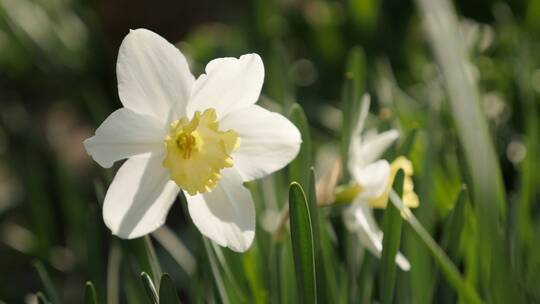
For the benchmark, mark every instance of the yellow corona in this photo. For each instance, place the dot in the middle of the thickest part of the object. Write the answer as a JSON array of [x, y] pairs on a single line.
[[197, 151], [410, 199]]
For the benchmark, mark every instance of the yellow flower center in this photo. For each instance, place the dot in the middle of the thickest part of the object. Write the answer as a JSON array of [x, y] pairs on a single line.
[[410, 199], [197, 151]]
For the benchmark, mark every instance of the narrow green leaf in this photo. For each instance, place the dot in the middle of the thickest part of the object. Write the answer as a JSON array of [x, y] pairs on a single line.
[[232, 270], [176, 248], [353, 262], [152, 258], [133, 287], [299, 167], [314, 211], [322, 285], [142, 254], [149, 288], [366, 280], [218, 279], [449, 270], [113, 272], [42, 218], [392, 223], [328, 260], [450, 241], [287, 277], [353, 89], [94, 249], [90, 294], [46, 280], [454, 225], [443, 31], [278, 84], [302, 244], [408, 143], [167, 291], [273, 276], [252, 266]]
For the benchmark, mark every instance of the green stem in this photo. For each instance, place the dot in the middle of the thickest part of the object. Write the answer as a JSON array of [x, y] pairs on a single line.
[[448, 268]]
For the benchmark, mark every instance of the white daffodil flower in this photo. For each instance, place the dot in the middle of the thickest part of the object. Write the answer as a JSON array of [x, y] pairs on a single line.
[[203, 136], [373, 179]]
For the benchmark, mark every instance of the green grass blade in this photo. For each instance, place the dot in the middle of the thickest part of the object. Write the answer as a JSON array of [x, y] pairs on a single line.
[[95, 253], [218, 279], [252, 267], [232, 270], [316, 220], [314, 211], [167, 291], [113, 272], [47, 282], [133, 287], [392, 223], [149, 288], [366, 280], [449, 270], [442, 27], [353, 88], [454, 225], [90, 294], [302, 243], [450, 241], [176, 248], [143, 255], [287, 277], [408, 143], [278, 84], [299, 167]]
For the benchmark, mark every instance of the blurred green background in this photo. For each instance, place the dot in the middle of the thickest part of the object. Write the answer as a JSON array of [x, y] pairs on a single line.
[[58, 83]]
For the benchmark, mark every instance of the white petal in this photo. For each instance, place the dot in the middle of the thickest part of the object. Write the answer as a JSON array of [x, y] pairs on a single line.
[[153, 75], [359, 215], [359, 218], [123, 134], [402, 262], [227, 214], [355, 147], [372, 178], [374, 146], [228, 85], [268, 141], [356, 159], [364, 111], [139, 198]]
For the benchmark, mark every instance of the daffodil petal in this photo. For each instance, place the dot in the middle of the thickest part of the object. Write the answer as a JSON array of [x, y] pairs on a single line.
[[409, 196], [402, 262], [153, 75], [356, 159], [374, 146], [359, 219], [268, 141], [364, 111], [225, 215], [229, 84], [139, 198], [123, 134], [372, 179]]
